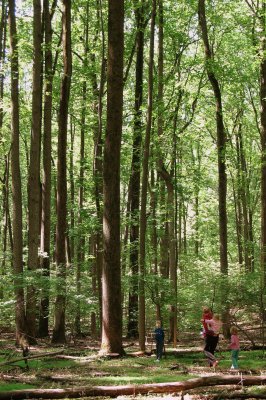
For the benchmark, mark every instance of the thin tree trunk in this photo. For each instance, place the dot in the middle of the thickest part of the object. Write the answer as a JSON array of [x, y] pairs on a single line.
[[221, 148], [144, 188], [98, 164], [134, 185], [4, 233], [81, 241], [168, 179], [46, 186], [111, 277], [60, 303], [20, 317], [263, 156]]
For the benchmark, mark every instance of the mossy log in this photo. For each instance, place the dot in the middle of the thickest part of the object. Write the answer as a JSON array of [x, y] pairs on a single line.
[[114, 391]]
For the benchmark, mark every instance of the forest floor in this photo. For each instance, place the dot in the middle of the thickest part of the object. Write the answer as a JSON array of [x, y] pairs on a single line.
[[79, 364]]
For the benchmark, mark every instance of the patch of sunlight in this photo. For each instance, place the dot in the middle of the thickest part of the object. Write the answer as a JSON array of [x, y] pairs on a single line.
[[142, 379]]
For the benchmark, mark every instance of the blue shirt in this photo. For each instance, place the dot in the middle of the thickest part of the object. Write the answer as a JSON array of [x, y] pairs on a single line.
[[159, 335]]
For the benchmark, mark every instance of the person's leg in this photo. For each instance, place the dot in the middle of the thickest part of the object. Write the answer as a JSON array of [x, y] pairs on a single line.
[[160, 352], [213, 343], [235, 359], [207, 350]]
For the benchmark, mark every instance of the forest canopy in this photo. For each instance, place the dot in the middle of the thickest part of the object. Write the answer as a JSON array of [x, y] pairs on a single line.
[[132, 166]]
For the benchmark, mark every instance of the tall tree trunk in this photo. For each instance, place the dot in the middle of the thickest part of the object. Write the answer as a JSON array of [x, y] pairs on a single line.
[[20, 317], [168, 179], [34, 172], [81, 241], [134, 184], [4, 233], [263, 157], [46, 186], [5, 179], [3, 24], [61, 226], [111, 277], [221, 148], [98, 164], [144, 188], [154, 243]]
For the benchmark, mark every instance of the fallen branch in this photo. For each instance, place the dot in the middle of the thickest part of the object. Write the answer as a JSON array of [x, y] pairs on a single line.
[[114, 391], [31, 357]]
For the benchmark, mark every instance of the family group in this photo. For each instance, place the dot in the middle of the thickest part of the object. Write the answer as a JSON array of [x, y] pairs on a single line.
[[211, 330], [212, 325]]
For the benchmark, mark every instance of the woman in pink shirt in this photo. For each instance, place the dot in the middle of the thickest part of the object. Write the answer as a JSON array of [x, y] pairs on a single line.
[[234, 346], [214, 327]]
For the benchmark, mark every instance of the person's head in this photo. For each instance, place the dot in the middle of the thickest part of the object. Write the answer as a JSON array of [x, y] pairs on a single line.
[[158, 324], [206, 310], [217, 317], [233, 330]]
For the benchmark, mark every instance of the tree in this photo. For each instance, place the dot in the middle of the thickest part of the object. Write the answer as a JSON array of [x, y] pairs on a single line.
[[221, 147], [144, 187], [61, 226], [134, 184], [45, 255], [20, 316], [34, 170], [111, 276]]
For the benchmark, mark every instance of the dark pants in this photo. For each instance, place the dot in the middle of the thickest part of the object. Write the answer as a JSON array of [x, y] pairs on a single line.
[[159, 349], [210, 346]]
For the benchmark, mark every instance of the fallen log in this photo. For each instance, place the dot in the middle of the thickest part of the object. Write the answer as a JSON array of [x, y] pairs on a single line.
[[126, 390], [237, 395], [31, 357]]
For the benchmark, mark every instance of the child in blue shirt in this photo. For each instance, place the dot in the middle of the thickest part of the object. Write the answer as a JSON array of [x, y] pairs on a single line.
[[159, 339]]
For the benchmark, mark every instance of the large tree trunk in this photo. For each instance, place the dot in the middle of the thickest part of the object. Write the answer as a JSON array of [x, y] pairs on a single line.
[[59, 323], [111, 277], [34, 171], [134, 183], [20, 317]]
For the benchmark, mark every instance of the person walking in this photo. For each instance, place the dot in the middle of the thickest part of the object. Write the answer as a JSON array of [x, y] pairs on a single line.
[[212, 338]]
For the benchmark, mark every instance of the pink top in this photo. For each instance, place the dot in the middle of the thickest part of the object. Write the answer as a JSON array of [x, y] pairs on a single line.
[[234, 342], [214, 325]]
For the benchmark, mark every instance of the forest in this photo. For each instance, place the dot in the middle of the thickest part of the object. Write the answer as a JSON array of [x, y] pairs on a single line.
[[132, 169]]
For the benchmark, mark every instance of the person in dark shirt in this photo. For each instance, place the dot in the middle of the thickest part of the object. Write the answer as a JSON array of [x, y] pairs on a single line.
[[159, 339]]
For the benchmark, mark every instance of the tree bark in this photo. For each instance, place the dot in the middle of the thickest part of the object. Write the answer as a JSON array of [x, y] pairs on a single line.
[[46, 185], [34, 172], [134, 184], [98, 169], [20, 316], [61, 226], [111, 276], [144, 188], [263, 158]]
